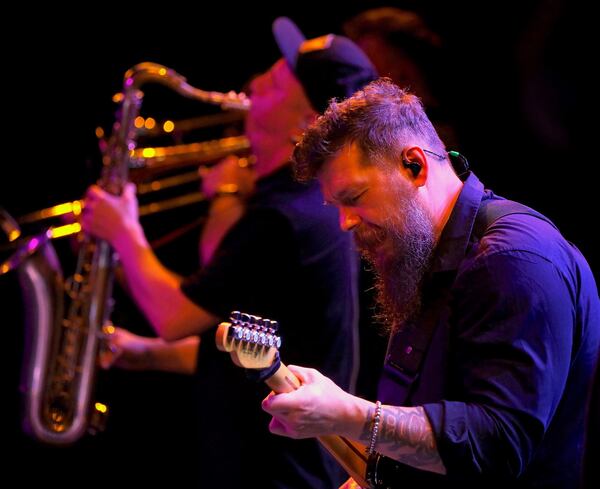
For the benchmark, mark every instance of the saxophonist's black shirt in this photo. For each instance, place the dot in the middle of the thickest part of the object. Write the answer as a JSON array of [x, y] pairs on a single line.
[[286, 259]]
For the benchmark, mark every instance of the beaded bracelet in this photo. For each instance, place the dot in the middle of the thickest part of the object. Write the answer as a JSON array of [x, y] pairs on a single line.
[[374, 428]]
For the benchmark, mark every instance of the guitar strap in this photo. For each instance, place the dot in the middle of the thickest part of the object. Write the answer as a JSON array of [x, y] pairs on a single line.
[[408, 346], [262, 374]]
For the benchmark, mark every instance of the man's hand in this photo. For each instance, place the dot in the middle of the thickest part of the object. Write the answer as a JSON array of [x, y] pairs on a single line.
[[318, 407], [108, 216], [227, 173], [126, 350]]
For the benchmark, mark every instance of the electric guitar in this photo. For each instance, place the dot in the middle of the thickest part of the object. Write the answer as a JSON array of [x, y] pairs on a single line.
[[253, 344]]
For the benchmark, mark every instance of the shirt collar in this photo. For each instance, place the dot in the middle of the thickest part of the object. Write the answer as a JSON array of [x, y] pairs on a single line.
[[456, 234]]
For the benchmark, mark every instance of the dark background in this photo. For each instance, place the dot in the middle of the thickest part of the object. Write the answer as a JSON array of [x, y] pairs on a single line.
[[514, 84]]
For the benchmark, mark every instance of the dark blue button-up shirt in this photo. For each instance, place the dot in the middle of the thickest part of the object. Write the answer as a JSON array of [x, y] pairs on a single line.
[[516, 333]]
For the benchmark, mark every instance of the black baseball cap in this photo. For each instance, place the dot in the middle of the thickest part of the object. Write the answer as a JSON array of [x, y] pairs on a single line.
[[328, 66]]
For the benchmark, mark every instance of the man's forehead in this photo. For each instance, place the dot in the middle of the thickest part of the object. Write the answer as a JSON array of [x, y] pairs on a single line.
[[342, 172]]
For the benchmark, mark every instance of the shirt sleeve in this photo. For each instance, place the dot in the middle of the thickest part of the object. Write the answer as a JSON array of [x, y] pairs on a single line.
[[254, 256], [513, 316]]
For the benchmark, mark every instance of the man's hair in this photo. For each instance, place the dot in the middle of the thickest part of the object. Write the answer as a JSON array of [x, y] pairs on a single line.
[[381, 119], [402, 28]]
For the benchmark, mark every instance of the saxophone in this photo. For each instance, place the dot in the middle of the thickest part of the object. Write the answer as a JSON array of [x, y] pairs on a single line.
[[66, 319]]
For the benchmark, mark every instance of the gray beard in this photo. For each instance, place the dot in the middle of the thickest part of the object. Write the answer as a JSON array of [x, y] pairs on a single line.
[[400, 254]]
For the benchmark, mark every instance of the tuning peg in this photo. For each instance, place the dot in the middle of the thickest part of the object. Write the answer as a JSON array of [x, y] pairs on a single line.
[[245, 318], [235, 316], [238, 332], [262, 339]]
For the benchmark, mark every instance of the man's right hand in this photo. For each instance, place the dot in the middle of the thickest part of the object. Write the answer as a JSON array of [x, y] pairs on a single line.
[[108, 216]]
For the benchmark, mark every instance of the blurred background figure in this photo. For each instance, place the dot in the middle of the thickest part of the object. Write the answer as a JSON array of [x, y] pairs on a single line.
[[404, 48], [269, 248]]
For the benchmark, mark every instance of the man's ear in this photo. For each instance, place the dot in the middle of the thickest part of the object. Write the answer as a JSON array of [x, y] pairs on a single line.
[[415, 164]]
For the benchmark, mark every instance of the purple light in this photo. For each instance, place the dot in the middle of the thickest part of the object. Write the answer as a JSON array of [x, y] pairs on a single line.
[[33, 244]]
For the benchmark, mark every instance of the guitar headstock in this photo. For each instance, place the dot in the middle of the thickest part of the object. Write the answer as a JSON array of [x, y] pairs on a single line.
[[250, 340]]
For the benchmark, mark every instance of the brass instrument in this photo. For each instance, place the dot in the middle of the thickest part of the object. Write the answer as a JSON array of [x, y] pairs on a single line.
[[152, 161], [60, 362]]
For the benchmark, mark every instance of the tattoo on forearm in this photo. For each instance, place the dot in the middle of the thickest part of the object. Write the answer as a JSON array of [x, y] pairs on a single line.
[[405, 435], [365, 434]]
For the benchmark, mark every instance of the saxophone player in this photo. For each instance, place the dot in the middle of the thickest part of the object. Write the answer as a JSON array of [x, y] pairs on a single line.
[[278, 254]]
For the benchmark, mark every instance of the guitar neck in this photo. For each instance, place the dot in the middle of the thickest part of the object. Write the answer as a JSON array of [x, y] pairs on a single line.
[[349, 454]]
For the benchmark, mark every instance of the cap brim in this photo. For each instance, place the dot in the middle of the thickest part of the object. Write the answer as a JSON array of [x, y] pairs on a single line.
[[288, 38]]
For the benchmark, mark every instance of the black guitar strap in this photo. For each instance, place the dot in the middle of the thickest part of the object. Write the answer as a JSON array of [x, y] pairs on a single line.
[[407, 347]]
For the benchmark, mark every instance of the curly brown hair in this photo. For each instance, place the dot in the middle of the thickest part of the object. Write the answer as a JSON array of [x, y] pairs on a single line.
[[381, 119]]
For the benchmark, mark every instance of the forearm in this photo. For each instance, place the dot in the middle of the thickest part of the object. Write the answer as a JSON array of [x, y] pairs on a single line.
[[404, 434], [177, 356], [141, 353], [156, 290], [225, 211]]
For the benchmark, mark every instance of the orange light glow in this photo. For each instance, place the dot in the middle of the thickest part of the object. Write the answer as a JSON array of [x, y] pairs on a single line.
[[139, 122], [168, 126], [150, 123], [62, 209], [77, 207], [99, 132], [65, 230], [100, 407], [108, 329], [148, 152]]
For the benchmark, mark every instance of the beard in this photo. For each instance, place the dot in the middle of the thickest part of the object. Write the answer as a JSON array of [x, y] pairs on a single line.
[[399, 252]]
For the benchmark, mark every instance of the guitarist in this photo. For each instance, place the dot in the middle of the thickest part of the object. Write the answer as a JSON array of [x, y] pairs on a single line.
[[493, 317]]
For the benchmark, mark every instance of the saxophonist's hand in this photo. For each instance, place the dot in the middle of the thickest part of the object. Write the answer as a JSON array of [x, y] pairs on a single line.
[[110, 217], [124, 349], [121, 348], [229, 172]]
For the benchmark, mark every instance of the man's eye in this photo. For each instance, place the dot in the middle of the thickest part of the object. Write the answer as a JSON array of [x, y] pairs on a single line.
[[355, 198]]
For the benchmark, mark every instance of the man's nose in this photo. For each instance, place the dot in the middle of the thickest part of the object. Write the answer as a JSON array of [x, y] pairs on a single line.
[[348, 219]]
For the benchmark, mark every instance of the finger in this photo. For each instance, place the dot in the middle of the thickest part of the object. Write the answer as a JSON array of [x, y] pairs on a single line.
[[94, 193], [130, 189], [277, 427], [266, 402], [105, 359], [276, 403], [108, 355], [303, 373]]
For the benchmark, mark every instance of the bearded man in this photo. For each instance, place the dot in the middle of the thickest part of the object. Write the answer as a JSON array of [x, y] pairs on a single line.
[[493, 317]]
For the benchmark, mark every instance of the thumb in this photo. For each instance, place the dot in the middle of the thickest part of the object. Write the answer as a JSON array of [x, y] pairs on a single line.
[[129, 190]]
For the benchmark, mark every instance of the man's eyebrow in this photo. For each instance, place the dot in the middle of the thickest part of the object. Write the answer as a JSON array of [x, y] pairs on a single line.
[[344, 194]]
